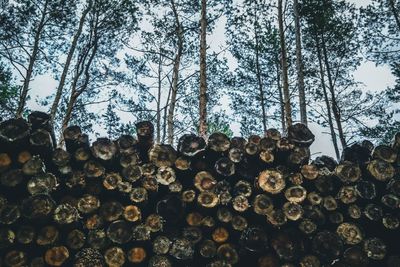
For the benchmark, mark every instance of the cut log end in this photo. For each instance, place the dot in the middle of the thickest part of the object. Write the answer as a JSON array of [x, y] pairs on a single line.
[[162, 155], [218, 142], [104, 149], [14, 130], [271, 181], [191, 145], [299, 134], [144, 129]]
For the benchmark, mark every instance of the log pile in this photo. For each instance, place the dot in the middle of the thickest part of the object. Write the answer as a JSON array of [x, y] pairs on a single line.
[[259, 201]]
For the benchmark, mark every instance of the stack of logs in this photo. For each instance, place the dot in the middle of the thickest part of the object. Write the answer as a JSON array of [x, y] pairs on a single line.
[[224, 202]]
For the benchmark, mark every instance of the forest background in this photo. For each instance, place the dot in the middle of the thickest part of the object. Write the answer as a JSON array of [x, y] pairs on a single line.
[[239, 66]]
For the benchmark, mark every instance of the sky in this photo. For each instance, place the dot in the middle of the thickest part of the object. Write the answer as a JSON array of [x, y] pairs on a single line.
[[374, 78]]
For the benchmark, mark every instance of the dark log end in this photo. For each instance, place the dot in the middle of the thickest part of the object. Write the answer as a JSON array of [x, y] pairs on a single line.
[[238, 142], [299, 134], [39, 119], [104, 149], [72, 133], [274, 134], [13, 130], [127, 143], [41, 141], [225, 167], [385, 153], [144, 129], [218, 142], [60, 157], [190, 145], [162, 155], [356, 153], [325, 161]]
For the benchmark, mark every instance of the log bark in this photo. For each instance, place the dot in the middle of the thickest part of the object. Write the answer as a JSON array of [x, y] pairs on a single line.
[[74, 139], [145, 135], [356, 153]]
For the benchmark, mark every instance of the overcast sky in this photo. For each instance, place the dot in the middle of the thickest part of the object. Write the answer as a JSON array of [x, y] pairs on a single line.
[[374, 78]]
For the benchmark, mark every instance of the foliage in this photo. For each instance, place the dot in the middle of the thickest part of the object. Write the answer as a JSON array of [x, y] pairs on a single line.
[[381, 30], [219, 122], [8, 93]]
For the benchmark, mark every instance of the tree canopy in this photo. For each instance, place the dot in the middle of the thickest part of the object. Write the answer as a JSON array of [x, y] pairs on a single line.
[[228, 66]]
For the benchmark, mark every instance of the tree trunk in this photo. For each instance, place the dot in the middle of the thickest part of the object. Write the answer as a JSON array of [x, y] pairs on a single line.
[[32, 59], [282, 106], [175, 75], [279, 87], [259, 79], [326, 99], [71, 51], [68, 113], [165, 115], [285, 78], [158, 124], [335, 107], [75, 91], [203, 74], [299, 65]]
